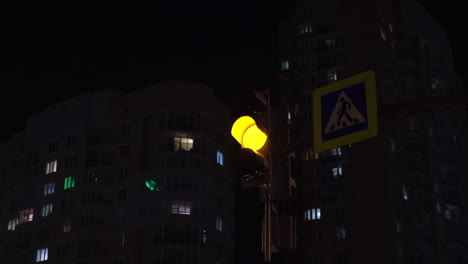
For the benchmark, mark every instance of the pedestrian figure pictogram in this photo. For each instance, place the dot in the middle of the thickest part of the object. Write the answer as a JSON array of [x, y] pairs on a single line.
[[344, 114]]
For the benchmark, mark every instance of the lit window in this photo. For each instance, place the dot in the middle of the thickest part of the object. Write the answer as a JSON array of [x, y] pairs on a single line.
[[12, 224], [26, 215], [336, 151], [312, 214], [307, 154], [405, 192], [437, 84], [204, 237], [68, 183], [47, 209], [183, 143], [305, 29], [151, 184], [49, 188], [398, 227], [337, 172], [181, 207], [220, 158], [219, 224], [332, 76], [340, 233], [382, 34], [390, 27], [67, 226], [42, 255], [51, 167], [285, 65]]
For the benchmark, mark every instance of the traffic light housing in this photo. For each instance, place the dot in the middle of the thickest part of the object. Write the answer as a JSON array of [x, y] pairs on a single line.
[[253, 168], [253, 158], [248, 134]]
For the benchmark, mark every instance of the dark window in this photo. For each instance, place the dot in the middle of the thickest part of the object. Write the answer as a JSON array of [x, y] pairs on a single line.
[[118, 260], [185, 121], [219, 203], [341, 256], [124, 150], [340, 213], [123, 195], [219, 250], [66, 204], [24, 240], [10, 247], [3, 174], [53, 146], [92, 137], [70, 161], [72, 140], [63, 250], [87, 219], [181, 235], [123, 172], [125, 130], [44, 233], [88, 197], [86, 248], [219, 180]]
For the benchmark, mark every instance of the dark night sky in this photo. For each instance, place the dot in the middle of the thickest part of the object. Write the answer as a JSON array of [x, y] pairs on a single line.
[[51, 53]]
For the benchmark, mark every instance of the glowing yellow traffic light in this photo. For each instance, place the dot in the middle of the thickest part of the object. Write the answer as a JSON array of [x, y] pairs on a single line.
[[246, 132]]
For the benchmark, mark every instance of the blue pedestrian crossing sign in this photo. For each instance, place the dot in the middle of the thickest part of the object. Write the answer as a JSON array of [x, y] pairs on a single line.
[[345, 112]]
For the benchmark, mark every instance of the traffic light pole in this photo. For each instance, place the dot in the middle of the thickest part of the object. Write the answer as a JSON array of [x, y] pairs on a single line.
[[268, 200]]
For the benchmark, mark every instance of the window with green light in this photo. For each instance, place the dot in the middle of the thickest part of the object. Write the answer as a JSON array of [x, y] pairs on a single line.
[[69, 183], [151, 184]]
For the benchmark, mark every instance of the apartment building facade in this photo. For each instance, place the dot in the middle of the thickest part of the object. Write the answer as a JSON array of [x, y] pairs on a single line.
[[118, 178], [395, 198]]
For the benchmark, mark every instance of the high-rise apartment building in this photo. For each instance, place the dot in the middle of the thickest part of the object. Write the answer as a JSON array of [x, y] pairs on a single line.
[[143, 177], [399, 197]]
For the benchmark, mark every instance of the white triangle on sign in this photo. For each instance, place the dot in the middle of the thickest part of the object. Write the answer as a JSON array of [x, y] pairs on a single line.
[[345, 114]]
